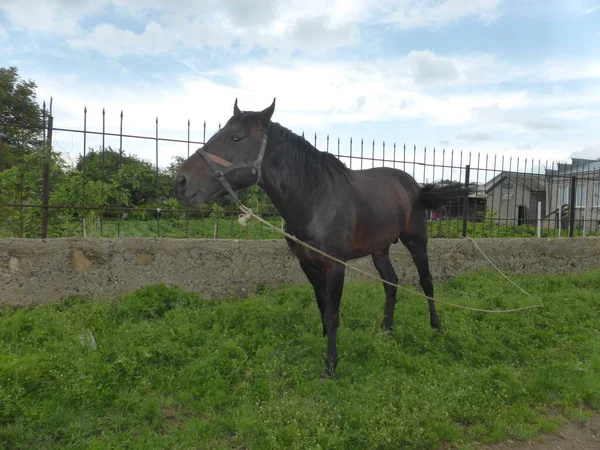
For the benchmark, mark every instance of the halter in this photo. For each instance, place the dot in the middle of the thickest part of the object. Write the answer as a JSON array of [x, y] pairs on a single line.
[[220, 174]]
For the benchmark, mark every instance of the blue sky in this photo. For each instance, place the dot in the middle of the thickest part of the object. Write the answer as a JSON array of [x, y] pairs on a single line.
[[511, 78]]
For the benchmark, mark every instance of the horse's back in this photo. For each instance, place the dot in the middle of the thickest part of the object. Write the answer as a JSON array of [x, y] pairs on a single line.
[[384, 200]]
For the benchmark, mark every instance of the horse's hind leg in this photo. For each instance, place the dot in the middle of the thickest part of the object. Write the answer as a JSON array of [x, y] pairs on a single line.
[[417, 246], [384, 266]]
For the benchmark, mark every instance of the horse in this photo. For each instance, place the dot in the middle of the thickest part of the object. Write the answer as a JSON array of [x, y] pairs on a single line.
[[345, 213]]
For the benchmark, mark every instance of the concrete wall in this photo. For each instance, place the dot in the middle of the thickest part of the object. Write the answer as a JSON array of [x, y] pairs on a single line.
[[36, 272]]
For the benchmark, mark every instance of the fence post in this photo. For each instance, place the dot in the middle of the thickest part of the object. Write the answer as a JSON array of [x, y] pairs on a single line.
[[46, 180], [1, 137], [466, 205], [539, 219], [572, 207]]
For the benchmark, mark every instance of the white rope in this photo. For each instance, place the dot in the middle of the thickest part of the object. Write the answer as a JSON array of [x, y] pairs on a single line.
[[243, 220]]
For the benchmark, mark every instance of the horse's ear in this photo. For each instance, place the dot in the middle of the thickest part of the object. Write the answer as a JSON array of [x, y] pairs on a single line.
[[236, 110], [266, 114]]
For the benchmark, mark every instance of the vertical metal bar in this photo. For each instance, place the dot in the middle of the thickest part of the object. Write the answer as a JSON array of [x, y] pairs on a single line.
[[327, 148], [46, 176], [572, 201], [523, 198], [373, 154], [450, 221], [596, 199], [508, 193], [157, 183], [1, 138], [433, 181], [433, 168], [424, 164], [414, 159], [44, 160], [22, 173], [443, 165], [539, 179], [351, 157], [485, 180], [476, 192], [588, 200], [103, 169], [493, 197], [202, 210], [383, 157], [548, 197], [361, 152], [394, 155], [466, 199], [404, 158], [83, 231], [315, 139], [187, 217], [120, 165]]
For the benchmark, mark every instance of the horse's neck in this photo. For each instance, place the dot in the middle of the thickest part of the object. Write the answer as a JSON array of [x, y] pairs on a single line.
[[284, 186]]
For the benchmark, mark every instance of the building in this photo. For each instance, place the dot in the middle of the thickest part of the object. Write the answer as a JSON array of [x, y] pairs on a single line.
[[585, 175], [513, 197]]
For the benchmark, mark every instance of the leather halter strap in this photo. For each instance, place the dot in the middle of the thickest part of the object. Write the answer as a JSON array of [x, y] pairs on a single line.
[[219, 174]]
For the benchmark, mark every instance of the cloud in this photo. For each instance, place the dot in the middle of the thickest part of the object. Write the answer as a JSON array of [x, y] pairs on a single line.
[[411, 14], [592, 9], [519, 118], [59, 17], [113, 42], [179, 24], [588, 152], [475, 137], [426, 68]]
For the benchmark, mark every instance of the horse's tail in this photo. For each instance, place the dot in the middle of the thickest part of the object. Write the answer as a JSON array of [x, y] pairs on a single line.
[[432, 196]]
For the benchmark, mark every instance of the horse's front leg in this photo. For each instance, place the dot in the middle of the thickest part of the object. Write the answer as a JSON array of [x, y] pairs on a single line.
[[335, 275]]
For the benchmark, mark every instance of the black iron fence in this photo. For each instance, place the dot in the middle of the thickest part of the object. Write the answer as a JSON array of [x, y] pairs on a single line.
[[107, 191]]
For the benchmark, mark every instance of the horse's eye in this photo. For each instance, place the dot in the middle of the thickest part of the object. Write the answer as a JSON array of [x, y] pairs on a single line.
[[236, 138]]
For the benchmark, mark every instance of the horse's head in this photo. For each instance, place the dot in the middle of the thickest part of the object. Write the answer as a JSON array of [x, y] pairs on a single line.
[[230, 160]]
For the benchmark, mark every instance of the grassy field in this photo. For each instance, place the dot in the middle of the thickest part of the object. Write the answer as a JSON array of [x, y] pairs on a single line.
[[160, 369]]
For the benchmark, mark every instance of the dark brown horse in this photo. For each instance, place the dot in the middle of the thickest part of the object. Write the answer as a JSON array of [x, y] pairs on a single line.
[[346, 213]]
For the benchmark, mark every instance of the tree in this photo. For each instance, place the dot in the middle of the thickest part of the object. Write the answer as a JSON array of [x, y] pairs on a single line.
[[21, 118], [23, 154]]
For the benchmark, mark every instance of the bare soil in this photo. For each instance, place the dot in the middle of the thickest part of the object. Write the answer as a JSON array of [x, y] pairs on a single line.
[[573, 436]]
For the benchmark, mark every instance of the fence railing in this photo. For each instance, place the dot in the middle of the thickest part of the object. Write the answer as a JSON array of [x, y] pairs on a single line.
[[108, 193]]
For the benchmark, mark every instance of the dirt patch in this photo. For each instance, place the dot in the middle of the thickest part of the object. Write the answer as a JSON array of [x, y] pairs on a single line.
[[572, 436]]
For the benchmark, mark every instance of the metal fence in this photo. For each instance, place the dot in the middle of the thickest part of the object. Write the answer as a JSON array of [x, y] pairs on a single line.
[[514, 197]]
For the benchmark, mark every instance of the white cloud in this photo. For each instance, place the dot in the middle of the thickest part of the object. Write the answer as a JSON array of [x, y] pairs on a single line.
[[59, 17], [273, 24], [319, 96], [592, 9], [588, 152], [410, 14]]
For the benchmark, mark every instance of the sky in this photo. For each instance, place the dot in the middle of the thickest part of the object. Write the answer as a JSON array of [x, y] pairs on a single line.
[[498, 77]]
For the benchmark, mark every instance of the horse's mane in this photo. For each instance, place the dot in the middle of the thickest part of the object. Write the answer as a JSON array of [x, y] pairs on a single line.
[[298, 159]]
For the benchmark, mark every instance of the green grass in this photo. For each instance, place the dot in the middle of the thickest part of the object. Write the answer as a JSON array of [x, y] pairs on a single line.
[[226, 226], [160, 368]]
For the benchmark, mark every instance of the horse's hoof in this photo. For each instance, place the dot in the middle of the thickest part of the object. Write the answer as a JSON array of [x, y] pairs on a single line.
[[387, 329]]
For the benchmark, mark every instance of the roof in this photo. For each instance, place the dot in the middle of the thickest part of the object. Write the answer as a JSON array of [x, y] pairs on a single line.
[[580, 167], [531, 182]]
